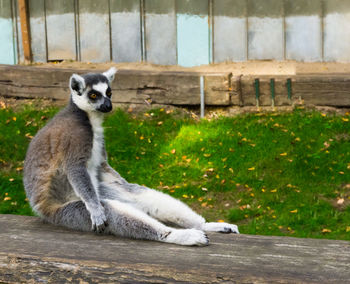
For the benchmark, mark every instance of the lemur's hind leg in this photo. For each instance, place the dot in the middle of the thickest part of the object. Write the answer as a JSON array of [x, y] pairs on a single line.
[[164, 207], [127, 221]]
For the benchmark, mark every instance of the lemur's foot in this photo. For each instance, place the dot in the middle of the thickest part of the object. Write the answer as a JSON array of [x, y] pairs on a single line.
[[220, 227], [187, 237]]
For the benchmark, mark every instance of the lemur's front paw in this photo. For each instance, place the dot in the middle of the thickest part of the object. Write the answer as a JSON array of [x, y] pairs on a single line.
[[187, 237], [220, 227], [99, 222]]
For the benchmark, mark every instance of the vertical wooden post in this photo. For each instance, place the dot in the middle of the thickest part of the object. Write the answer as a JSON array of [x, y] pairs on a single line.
[[24, 17]]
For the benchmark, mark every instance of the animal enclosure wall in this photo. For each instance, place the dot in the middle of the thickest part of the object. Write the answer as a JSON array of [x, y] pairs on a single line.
[[184, 32]]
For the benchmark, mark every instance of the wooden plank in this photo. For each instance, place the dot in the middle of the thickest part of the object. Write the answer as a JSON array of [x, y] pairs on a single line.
[[181, 88], [7, 46], [230, 30], [94, 31], [265, 30], [25, 29], [61, 40], [169, 88], [27, 254], [160, 26], [193, 46], [126, 30], [38, 30], [322, 90], [217, 89], [303, 30]]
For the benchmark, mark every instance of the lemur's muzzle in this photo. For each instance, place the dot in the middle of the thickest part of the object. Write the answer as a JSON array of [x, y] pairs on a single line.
[[106, 106]]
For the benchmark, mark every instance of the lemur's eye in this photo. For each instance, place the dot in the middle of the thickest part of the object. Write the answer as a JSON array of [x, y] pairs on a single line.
[[93, 96], [109, 93]]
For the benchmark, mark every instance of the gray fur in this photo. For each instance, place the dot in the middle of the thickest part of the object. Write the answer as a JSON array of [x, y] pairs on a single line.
[[68, 183]]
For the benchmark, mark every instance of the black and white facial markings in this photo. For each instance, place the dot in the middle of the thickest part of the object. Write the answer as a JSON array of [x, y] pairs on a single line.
[[92, 92]]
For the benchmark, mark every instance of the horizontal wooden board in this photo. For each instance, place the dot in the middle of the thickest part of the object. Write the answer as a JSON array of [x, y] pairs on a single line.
[[27, 254], [169, 88], [182, 88]]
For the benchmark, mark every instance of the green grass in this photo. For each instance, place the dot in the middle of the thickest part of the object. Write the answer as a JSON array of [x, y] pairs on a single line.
[[272, 174]]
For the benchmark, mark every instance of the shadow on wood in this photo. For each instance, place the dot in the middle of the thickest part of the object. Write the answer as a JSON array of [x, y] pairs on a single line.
[[33, 251]]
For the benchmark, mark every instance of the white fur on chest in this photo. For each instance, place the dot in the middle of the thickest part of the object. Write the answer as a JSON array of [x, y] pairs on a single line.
[[96, 157]]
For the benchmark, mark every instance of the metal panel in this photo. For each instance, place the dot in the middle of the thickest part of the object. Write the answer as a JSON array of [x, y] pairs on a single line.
[[265, 29], [160, 25], [7, 44], [230, 30], [61, 41], [126, 30], [193, 46], [37, 30], [303, 30], [94, 30], [336, 30]]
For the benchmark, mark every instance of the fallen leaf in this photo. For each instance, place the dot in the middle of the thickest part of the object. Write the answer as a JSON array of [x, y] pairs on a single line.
[[294, 211], [326, 231], [185, 196], [345, 119], [251, 169], [7, 198], [340, 201], [283, 154], [173, 151], [347, 229], [221, 221]]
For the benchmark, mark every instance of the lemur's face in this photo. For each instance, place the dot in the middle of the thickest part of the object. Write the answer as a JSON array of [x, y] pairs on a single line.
[[92, 92]]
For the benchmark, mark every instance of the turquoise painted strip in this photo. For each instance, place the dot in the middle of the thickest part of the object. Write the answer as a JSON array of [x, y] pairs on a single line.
[[192, 40], [7, 48]]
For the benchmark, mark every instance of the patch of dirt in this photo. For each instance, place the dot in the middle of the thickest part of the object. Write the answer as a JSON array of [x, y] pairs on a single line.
[[18, 104], [253, 67]]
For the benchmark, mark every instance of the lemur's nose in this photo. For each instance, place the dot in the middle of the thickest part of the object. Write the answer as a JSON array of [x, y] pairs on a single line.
[[106, 106]]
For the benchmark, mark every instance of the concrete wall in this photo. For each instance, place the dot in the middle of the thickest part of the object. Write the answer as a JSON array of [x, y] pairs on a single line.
[[185, 32]]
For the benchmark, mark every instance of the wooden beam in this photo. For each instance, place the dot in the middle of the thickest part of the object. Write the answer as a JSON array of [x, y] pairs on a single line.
[[25, 28], [32, 251]]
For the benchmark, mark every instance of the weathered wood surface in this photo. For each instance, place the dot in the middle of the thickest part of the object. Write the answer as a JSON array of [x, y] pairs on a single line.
[[182, 88], [311, 89], [130, 86], [31, 252]]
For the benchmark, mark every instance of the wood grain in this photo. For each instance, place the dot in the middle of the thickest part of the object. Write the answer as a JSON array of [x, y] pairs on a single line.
[[31, 250]]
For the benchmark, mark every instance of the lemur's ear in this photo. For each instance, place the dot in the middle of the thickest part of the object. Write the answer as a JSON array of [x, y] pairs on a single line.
[[76, 84], [110, 74]]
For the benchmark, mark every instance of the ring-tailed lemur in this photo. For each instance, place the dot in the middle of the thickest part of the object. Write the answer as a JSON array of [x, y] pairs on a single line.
[[69, 182]]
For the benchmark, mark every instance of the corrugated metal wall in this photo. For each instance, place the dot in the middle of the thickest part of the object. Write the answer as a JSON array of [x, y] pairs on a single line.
[[184, 32]]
